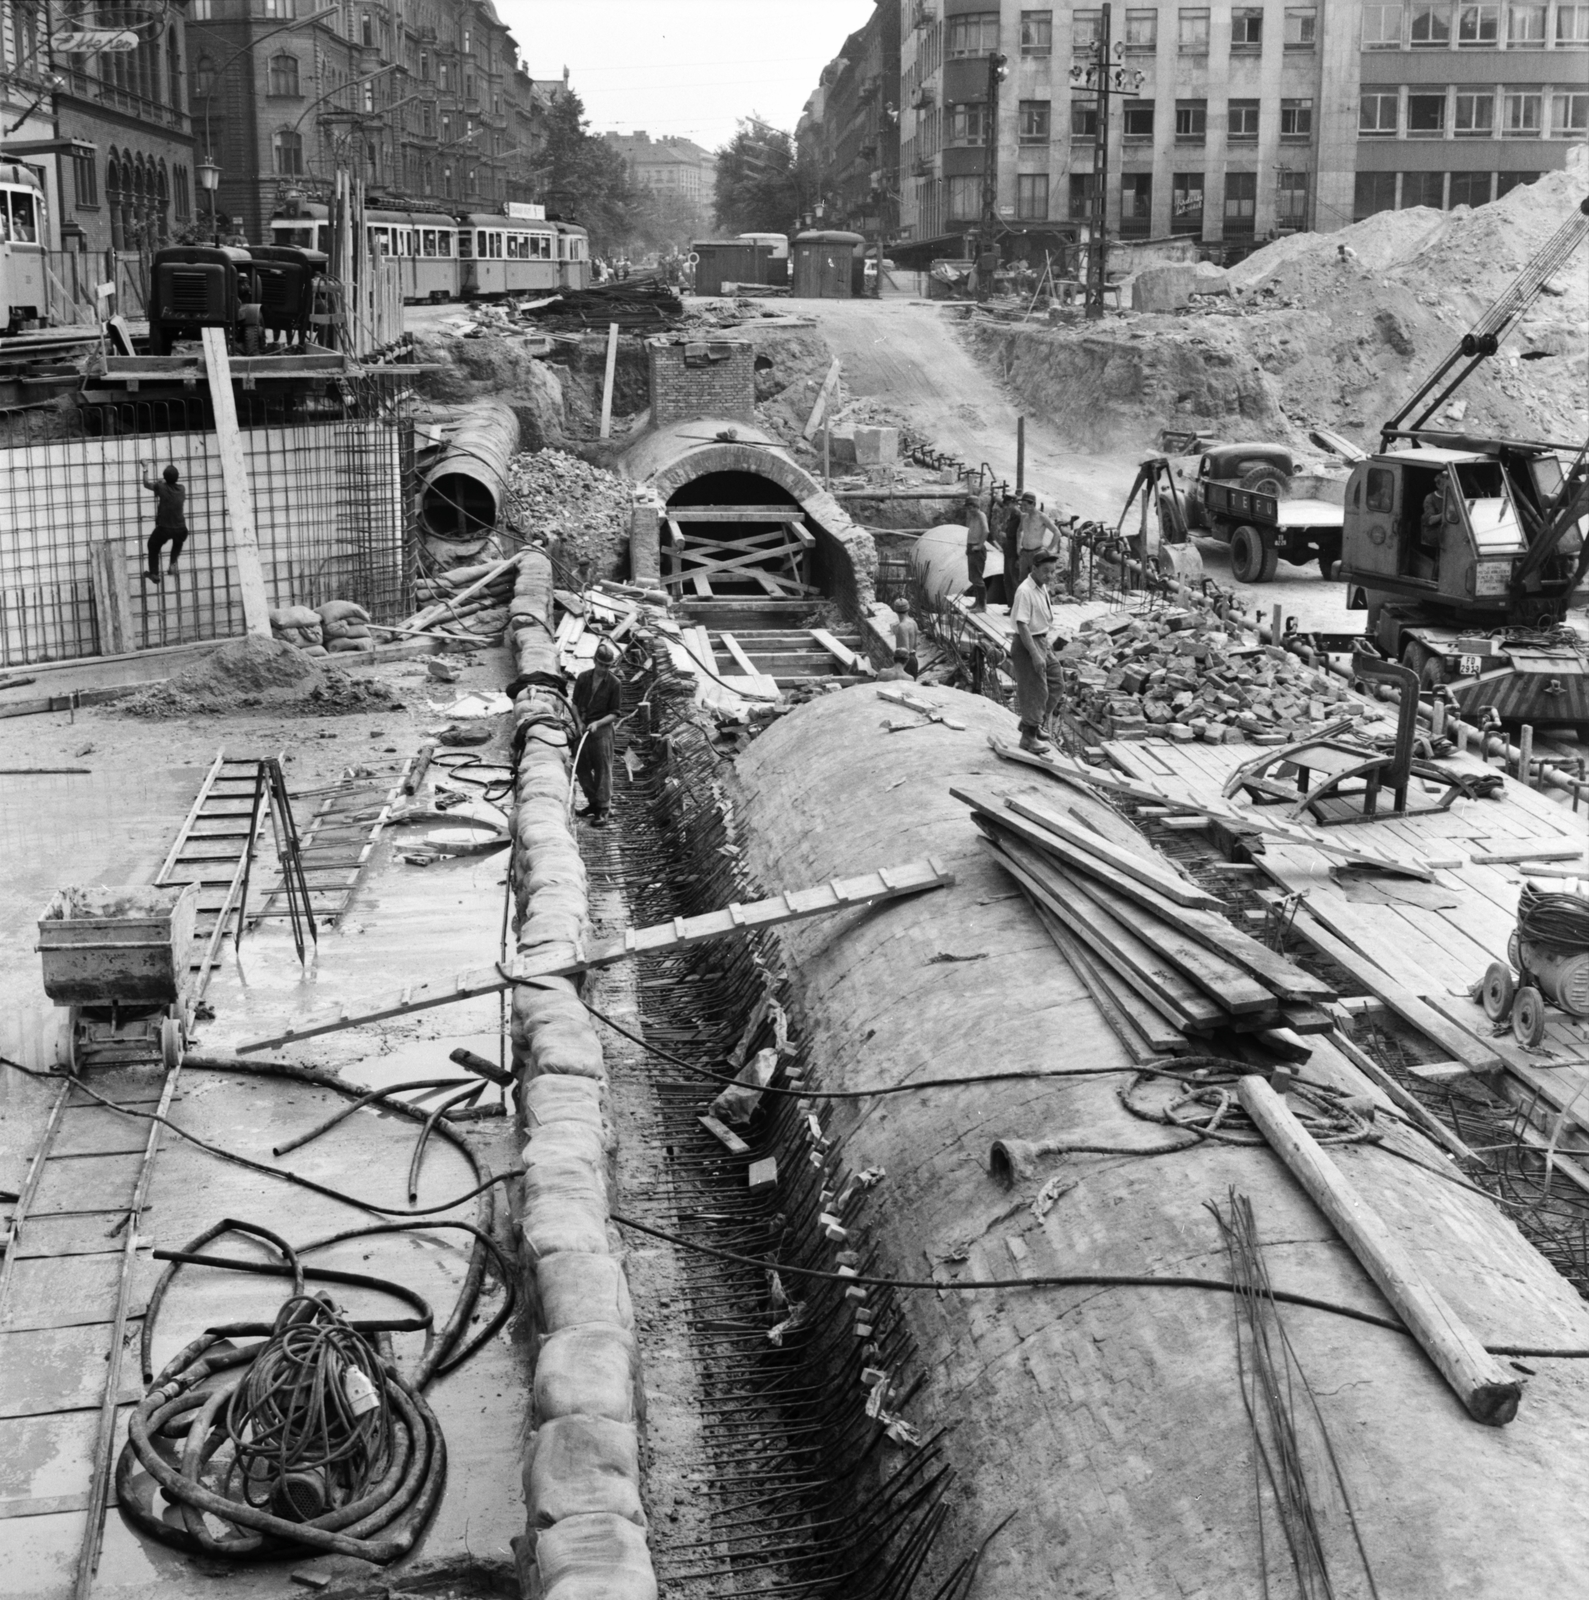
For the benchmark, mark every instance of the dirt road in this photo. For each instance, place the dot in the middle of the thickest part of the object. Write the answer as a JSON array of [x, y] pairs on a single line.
[[908, 354]]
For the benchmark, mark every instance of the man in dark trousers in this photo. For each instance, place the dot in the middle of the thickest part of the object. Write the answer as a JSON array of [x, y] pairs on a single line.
[[170, 518], [597, 699]]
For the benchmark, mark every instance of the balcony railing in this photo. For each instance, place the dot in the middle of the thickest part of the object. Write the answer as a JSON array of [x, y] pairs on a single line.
[[90, 86]]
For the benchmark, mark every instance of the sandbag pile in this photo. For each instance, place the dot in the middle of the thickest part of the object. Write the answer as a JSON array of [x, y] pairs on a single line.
[[1179, 677], [457, 601], [345, 627], [300, 626]]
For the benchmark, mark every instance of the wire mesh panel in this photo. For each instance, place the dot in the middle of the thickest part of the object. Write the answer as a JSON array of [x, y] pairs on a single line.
[[331, 515]]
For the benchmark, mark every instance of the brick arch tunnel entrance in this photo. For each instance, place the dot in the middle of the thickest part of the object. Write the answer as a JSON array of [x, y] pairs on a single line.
[[734, 533]]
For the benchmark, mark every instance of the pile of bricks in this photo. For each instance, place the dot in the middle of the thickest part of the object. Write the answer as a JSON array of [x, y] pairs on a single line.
[[1176, 676]]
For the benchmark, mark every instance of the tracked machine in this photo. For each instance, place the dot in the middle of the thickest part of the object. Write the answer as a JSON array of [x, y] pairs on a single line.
[[1466, 551]]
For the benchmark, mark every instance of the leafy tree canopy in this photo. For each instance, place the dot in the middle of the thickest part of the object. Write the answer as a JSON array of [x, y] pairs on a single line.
[[585, 179], [758, 181]]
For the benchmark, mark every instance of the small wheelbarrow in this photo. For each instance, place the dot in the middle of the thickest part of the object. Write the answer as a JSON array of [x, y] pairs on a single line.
[[1549, 974], [120, 960]]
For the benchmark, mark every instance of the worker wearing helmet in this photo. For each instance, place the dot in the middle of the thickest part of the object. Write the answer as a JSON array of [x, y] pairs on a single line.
[[906, 637], [596, 699]]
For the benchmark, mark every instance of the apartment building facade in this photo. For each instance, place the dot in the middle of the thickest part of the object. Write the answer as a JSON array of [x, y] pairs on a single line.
[[849, 132], [1236, 121], [427, 102], [1460, 102], [668, 166]]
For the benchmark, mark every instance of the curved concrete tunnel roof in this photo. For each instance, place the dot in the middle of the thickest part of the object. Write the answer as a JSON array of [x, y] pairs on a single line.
[[1111, 1421]]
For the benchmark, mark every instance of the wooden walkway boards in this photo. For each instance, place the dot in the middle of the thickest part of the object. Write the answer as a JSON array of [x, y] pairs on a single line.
[[1432, 941]]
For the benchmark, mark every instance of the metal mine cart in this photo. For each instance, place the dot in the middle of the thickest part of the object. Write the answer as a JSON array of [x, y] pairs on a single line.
[[120, 959]]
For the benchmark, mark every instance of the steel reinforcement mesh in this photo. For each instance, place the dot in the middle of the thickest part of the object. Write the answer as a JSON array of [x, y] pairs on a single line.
[[331, 475]]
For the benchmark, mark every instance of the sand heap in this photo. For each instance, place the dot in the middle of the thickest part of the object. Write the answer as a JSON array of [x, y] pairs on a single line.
[[1332, 330], [256, 671]]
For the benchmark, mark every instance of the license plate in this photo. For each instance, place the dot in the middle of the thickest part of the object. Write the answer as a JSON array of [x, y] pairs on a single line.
[[1471, 667], [1494, 577]]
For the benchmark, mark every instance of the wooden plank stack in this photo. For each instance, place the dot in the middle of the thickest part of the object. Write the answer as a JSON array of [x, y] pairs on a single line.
[[1153, 948]]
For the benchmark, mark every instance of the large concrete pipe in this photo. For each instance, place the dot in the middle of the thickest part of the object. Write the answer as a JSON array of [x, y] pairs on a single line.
[[463, 491], [938, 559]]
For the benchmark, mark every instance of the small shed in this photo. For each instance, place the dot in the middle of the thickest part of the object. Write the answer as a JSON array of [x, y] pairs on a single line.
[[824, 264], [720, 261]]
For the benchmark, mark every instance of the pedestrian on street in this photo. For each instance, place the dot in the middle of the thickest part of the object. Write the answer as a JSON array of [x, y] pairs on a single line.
[[597, 699], [1009, 529], [1038, 532], [1038, 674], [170, 518], [906, 636], [976, 553]]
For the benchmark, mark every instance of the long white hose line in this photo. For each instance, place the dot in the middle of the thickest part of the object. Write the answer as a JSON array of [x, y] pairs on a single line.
[[573, 774]]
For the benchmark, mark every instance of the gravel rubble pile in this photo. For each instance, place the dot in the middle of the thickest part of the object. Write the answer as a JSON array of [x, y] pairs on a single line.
[[583, 510]]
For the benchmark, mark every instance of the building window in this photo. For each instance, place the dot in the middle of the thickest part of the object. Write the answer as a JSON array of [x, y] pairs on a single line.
[[284, 9], [1475, 118], [366, 30], [1302, 27], [427, 119], [1572, 24], [1037, 33], [1382, 31], [1470, 189], [965, 199], [1186, 203], [1241, 201], [200, 11], [204, 78], [1378, 114], [1243, 121], [181, 194], [1569, 116], [1525, 27], [1142, 30], [287, 148], [1291, 199], [966, 124], [1523, 110], [1083, 121], [1478, 25], [424, 66], [467, 47], [1246, 30], [1083, 185], [1191, 121], [1423, 189], [1086, 30], [1505, 182], [1426, 116], [1138, 119], [1031, 196], [1376, 191], [1296, 119], [284, 76], [1194, 33], [1431, 26], [974, 34], [1136, 202], [443, 76], [1034, 122], [85, 180]]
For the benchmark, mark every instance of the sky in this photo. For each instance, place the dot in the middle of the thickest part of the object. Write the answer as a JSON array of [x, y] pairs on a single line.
[[684, 67]]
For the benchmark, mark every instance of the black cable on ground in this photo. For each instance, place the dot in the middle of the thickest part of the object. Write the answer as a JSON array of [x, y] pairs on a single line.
[[1073, 1280]]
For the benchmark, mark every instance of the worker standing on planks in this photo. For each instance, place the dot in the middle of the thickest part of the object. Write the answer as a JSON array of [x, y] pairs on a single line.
[[906, 637], [976, 553], [1009, 534], [597, 699], [170, 518], [1033, 661]]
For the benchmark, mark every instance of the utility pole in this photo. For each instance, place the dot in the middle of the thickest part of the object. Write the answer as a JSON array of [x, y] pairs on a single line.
[[988, 224], [1106, 76]]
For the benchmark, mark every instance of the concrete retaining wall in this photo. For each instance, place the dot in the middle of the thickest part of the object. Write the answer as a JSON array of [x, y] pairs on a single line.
[[586, 1530]]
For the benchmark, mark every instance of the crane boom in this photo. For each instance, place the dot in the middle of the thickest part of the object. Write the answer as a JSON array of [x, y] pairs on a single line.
[[1483, 339]]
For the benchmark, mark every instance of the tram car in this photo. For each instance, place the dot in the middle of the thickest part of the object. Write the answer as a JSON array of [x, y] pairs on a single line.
[[23, 240], [477, 255]]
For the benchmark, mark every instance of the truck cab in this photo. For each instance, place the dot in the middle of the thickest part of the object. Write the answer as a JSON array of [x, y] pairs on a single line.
[[1444, 528]]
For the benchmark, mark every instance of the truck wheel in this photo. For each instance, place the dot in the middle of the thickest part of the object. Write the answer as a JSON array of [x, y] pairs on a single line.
[[1266, 480], [1252, 558], [1329, 557]]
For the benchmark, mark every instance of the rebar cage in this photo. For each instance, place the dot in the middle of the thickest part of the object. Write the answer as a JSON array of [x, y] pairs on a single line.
[[331, 467]]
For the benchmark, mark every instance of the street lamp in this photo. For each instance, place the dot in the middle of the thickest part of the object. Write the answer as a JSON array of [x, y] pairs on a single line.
[[1106, 77], [209, 182]]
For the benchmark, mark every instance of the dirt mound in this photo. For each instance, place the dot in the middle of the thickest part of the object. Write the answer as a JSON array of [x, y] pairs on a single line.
[[497, 366], [249, 665], [1330, 330], [582, 509]]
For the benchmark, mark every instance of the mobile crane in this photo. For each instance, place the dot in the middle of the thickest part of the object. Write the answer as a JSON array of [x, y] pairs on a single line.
[[1466, 551]]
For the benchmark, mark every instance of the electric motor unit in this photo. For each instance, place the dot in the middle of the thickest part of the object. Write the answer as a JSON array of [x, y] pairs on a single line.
[[1561, 974]]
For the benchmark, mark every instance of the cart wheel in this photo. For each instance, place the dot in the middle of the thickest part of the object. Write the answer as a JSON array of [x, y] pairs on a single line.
[[72, 1062], [171, 1043], [1528, 1015], [1514, 950], [1498, 992]]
